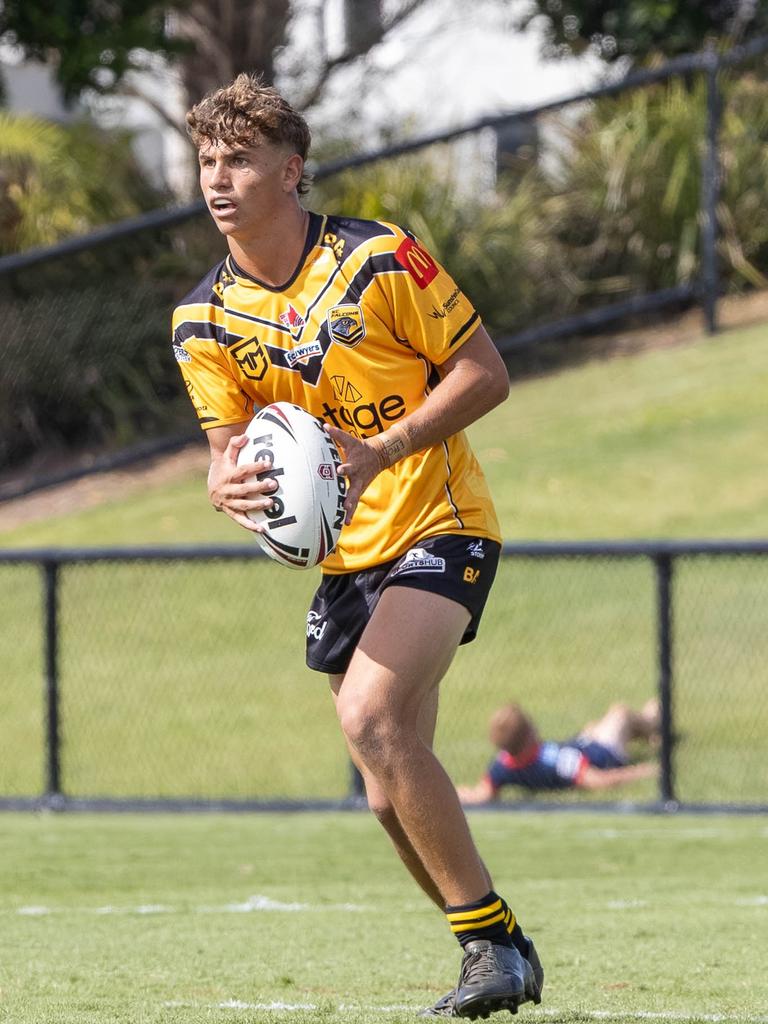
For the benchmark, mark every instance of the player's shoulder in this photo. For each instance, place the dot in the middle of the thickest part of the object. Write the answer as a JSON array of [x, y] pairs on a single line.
[[209, 289], [374, 235]]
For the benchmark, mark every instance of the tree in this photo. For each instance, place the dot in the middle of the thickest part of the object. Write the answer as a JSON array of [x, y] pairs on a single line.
[[57, 181], [641, 28], [95, 44], [217, 39], [91, 44]]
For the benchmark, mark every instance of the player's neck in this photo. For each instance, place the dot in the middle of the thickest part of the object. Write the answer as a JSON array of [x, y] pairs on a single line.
[[272, 255]]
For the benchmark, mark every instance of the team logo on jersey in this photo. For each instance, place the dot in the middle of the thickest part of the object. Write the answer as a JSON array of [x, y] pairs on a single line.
[[346, 324], [419, 560], [417, 262], [181, 354], [292, 320], [251, 358], [303, 353]]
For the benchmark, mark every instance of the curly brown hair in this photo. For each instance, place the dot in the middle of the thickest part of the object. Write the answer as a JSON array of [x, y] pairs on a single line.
[[241, 113]]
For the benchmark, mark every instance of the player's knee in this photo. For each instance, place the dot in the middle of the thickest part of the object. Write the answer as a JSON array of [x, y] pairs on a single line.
[[618, 712], [366, 728]]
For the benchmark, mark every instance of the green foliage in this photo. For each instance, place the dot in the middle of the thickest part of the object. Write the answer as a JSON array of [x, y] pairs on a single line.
[[606, 206], [642, 28], [609, 210], [93, 44], [57, 181]]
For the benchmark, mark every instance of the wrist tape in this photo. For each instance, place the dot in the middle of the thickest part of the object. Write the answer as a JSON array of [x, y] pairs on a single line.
[[391, 446]]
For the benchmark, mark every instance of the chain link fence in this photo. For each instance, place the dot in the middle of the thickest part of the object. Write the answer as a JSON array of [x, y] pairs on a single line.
[[177, 677]]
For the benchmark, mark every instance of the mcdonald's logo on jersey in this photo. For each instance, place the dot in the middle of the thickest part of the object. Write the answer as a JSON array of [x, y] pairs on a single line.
[[417, 262]]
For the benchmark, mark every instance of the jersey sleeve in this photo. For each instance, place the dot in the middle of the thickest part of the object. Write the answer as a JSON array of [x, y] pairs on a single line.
[[430, 311], [215, 394]]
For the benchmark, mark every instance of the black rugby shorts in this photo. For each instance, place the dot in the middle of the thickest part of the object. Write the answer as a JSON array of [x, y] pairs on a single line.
[[459, 567]]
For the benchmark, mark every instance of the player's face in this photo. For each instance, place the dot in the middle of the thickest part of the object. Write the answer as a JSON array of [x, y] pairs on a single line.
[[245, 186]]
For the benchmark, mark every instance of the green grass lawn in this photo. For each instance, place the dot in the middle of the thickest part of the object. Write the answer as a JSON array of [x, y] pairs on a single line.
[[664, 443], [270, 918]]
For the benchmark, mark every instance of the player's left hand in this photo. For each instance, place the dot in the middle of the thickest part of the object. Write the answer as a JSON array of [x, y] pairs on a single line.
[[360, 465]]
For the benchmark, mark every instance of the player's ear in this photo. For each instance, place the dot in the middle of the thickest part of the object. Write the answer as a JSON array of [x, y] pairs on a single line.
[[293, 168]]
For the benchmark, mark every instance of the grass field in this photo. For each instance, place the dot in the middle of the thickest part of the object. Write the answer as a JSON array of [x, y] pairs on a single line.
[[664, 443], [213, 919], [667, 442], [189, 680]]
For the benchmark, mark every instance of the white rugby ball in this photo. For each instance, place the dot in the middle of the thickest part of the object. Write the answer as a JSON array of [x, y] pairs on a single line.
[[303, 525]]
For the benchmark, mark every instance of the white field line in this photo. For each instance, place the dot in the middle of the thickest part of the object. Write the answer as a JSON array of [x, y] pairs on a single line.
[[597, 1015], [664, 830], [264, 904], [253, 904]]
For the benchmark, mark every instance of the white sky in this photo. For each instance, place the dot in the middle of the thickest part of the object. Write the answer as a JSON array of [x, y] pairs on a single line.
[[450, 63]]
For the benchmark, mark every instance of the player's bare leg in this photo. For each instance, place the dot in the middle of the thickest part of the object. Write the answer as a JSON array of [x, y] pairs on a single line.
[[621, 724], [402, 656], [380, 805]]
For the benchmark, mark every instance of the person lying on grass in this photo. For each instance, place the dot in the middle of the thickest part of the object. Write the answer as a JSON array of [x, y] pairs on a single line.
[[596, 758]]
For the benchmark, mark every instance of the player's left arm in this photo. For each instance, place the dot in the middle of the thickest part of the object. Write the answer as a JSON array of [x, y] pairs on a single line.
[[474, 380], [605, 778], [483, 792]]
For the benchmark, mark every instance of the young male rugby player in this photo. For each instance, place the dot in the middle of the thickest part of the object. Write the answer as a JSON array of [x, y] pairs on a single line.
[[354, 321]]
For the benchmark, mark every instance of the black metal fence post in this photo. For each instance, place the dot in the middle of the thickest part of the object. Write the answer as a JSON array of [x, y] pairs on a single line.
[[51, 641], [710, 189], [356, 783], [663, 563]]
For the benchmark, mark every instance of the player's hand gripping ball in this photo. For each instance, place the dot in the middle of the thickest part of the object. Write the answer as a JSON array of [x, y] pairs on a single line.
[[303, 525]]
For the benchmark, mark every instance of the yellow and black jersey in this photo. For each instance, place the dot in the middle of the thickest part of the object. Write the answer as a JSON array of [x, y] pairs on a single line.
[[355, 337]]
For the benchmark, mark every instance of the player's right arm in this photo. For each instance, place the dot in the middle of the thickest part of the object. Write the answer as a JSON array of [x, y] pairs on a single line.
[[235, 489]]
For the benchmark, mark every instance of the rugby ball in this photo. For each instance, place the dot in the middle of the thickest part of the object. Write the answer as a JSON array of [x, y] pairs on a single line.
[[303, 525]]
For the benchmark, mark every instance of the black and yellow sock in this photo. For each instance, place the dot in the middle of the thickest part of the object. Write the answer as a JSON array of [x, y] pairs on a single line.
[[489, 918]]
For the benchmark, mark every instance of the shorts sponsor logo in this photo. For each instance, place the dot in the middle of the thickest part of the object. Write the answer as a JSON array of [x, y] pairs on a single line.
[[182, 356], [417, 262], [419, 560], [315, 626], [475, 549], [303, 353], [346, 324], [471, 575]]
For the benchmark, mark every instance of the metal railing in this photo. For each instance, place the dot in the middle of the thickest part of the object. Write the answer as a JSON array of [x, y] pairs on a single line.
[[656, 619]]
